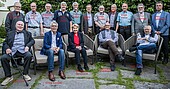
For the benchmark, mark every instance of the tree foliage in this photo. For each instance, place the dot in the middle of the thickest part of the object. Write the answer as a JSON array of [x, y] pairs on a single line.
[[149, 4]]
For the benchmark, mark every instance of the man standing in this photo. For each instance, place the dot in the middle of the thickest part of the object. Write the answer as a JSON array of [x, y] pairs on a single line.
[[100, 19], [76, 14], [88, 22], [34, 21], [13, 17], [17, 43], [124, 22], [160, 25], [108, 39], [113, 16], [53, 46], [63, 18], [140, 20], [47, 17]]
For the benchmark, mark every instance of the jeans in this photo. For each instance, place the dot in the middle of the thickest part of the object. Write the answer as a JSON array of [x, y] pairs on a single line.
[[143, 49], [50, 59]]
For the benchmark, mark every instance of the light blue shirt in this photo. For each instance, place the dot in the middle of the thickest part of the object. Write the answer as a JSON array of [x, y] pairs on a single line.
[[150, 39], [18, 43], [33, 19], [158, 17], [47, 18], [124, 18], [53, 44], [108, 36], [112, 18], [76, 16], [89, 16]]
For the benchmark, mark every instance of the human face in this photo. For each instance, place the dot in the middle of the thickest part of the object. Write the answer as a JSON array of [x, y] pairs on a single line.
[[33, 6], [107, 26], [17, 7], [88, 8], [75, 6], [75, 29], [63, 7], [124, 7], [159, 6], [147, 30], [101, 9], [54, 28], [140, 8], [48, 7], [113, 8], [19, 26]]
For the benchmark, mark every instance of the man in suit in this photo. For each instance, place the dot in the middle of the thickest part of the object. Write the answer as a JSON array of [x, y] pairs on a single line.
[[17, 43], [113, 16], [160, 25], [87, 24], [140, 20], [53, 45], [76, 45]]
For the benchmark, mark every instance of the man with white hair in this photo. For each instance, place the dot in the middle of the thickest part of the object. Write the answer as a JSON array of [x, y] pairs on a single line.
[[113, 16], [64, 20], [100, 19], [76, 14], [17, 43], [140, 20], [47, 17]]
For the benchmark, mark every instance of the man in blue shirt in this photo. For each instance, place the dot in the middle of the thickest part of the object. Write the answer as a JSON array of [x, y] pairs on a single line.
[[63, 18], [124, 22]]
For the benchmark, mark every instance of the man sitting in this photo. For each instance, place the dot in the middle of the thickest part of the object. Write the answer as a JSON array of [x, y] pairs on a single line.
[[146, 43], [108, 39], [17, 43]]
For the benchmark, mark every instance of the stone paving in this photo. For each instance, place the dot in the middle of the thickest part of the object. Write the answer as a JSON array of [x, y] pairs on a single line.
[[98, 77]]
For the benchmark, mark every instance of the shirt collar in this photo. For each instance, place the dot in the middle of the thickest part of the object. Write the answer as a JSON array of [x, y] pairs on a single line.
[[33, 12], [48, 12], [159, 11], [53, 33]]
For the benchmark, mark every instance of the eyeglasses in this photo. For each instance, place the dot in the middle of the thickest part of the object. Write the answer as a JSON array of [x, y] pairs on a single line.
[[18, 6], [33, 6]]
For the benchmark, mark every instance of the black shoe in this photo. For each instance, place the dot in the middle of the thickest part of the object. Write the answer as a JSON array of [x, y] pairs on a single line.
[[132, 49], [138, 71], [80, 68], [165, 61], [120, 57], [86, 67], [20, 63], [112, 67]]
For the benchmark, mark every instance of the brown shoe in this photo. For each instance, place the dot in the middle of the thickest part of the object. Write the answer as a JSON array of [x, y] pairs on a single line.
[[62, 75], [51, 76]]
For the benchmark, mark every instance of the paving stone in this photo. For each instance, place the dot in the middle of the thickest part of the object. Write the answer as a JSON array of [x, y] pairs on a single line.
[[127, 74], [20, 84], [148, 73], [147, 85], [113, 86], [108, 75], [75, 73], [66, 84], [166, 70], [104, 81], [2, 75]]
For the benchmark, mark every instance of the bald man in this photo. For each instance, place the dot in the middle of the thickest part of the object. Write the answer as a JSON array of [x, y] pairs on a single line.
[[17, 43]]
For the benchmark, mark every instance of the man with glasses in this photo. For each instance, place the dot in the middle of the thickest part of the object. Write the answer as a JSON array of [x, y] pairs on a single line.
[[107, 40], [34, 21], [47, 17], [100, 19], [160, 25], [124, 20], [140, 20], [10, 22]]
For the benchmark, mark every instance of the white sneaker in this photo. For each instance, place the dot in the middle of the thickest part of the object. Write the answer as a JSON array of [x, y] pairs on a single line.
[[6, 81], [27, 77]]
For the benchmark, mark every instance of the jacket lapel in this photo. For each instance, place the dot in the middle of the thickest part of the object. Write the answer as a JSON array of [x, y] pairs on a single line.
[[50, 39], [161, 18], [138, 16]]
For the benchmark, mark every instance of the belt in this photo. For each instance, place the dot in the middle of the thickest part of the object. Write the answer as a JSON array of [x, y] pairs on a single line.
[[33, 27], [90, 27], [46, 27], [125, 26]]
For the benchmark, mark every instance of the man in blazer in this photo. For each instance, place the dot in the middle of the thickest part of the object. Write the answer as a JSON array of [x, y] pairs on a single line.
[[76, 45], [53, 45], [160, 25], [140, 20], [87, 23], [17, 43], [113, 16]]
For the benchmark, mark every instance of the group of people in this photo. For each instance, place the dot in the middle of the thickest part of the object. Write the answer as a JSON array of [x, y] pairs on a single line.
[[21, 30]]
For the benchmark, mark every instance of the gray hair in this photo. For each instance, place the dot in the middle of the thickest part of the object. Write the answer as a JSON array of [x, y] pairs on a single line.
[[101, 6], [114, 5], [74, 3], [17, 3], [53, 22], [49, 4], [140, 4], [63, 3]]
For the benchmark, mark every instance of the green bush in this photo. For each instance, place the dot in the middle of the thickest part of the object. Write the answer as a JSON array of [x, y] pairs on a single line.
[[2, 32]]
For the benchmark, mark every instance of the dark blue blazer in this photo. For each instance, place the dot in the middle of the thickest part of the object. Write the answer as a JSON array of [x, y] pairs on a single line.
[[163, 25], [71, 40], [48, 41]]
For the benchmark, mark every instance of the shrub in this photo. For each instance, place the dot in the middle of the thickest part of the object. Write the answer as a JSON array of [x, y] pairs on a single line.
[[2, 32]]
